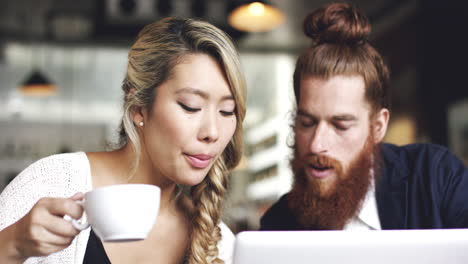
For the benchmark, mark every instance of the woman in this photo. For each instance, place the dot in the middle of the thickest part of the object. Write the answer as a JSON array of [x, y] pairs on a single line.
[[182, 125]]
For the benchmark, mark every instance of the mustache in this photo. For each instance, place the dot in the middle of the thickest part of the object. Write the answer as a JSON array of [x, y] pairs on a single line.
[[320, 161]]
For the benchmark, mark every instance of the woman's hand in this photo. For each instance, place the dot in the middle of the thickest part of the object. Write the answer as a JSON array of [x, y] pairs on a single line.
[[43, 230]]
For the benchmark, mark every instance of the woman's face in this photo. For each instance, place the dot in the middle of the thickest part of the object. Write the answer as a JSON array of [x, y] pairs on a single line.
[[191, 122]]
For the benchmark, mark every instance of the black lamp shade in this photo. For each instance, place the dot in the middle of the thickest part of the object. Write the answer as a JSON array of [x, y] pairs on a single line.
[[37, 84]]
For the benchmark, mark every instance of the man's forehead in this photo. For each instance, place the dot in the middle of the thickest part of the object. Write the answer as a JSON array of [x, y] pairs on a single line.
[[337, 96], [351, 83], [337, 116]]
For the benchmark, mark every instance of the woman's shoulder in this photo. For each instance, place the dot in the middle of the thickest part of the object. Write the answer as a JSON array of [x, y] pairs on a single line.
[[59, 175], [226, 231], [62, 159], [60, 166], [226, 244], [56, 175], [58, 162]]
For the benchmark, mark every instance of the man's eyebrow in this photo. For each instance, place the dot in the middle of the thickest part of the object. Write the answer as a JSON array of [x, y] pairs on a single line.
[[338, 117], [304, 113], [344, 117]]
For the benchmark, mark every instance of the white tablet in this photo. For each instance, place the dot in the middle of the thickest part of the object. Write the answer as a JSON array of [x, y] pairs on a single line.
[[437, 246]]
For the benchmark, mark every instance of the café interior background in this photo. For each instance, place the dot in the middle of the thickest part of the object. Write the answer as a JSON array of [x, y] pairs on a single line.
[[81, 46]]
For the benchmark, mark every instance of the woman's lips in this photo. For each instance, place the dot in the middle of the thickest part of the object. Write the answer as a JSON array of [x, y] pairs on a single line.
[[199, 161]]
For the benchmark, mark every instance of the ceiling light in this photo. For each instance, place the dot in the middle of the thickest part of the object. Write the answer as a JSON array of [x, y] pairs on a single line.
[[255, 17]]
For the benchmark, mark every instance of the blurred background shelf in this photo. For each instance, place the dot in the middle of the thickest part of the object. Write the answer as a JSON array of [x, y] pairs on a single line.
[[81, 46]]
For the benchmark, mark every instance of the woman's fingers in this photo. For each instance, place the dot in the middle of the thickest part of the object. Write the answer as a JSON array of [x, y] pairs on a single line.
[[32, 238], [61, 227], [61, 207], [77, 196], [43, 243], [43, 236], [43, 230]]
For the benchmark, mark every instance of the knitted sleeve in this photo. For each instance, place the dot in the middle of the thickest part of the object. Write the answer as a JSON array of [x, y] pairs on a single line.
[[60, 175]]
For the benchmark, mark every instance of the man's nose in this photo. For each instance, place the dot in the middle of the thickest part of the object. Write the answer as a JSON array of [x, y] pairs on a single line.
[[209, 129], [319, 139]]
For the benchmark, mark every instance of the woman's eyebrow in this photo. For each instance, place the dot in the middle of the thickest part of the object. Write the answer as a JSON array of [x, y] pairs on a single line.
[[227, 97], [201, 93], [192, 90]]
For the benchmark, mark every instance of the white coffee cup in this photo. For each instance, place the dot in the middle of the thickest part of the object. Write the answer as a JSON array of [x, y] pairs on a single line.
[[119, 213]]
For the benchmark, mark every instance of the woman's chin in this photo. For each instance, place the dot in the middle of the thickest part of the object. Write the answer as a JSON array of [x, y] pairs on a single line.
[[192, 181]]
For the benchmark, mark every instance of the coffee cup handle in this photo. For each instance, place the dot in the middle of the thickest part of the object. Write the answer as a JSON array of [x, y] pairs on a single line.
[[79, 224]]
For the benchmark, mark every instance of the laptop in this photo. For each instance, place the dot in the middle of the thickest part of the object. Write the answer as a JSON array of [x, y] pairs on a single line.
[[437, 246]]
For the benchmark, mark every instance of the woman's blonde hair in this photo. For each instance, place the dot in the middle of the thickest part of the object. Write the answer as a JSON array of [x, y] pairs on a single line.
[[159, 47]]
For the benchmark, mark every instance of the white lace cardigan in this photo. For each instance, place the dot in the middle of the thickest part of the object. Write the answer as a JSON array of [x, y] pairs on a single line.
[[63, 175]]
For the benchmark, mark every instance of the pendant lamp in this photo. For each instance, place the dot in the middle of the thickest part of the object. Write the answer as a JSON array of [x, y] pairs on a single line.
[[255, 16], [37, 84]]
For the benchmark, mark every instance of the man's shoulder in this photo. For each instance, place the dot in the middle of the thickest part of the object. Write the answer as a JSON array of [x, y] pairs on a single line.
[[278, 216], [279, 206], [414, 154], [414, 149], [421, 160]]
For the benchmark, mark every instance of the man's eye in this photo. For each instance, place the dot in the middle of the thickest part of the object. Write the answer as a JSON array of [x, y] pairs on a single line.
[[306, 123], [341, 128], [188, 108]]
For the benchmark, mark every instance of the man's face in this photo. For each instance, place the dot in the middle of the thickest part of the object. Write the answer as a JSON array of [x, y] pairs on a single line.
[[334, 150], [331, 128]]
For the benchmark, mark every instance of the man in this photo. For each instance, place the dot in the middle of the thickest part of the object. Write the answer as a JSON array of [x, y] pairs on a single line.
[[344, 177]]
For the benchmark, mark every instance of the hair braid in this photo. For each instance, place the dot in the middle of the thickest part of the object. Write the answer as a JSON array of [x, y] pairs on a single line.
[[208, 201]]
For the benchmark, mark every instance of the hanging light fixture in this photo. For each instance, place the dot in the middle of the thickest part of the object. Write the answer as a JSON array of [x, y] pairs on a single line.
[[37, 84], [255, 16]]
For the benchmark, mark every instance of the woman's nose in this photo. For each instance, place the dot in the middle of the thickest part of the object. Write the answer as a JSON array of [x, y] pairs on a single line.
[[209, 129]]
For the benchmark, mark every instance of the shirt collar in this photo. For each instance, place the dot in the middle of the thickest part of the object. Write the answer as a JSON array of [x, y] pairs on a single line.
[[369, 213]]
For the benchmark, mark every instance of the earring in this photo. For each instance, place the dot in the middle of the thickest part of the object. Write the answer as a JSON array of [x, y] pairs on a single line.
[[141, 124]]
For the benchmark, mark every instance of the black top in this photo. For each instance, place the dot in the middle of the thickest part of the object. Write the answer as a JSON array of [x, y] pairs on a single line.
[[95, 253]]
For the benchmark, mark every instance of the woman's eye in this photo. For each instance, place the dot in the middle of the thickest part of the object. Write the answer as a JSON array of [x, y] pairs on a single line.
[[227, 113], [188, 108]]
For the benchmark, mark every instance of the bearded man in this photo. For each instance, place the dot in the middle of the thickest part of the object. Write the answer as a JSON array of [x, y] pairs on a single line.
[[344, 176]]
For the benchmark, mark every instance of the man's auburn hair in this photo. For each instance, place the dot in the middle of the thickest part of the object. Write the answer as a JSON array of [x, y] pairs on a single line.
[[340, 47]]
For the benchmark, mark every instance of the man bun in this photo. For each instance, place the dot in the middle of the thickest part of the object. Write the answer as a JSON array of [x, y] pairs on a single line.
[[337, 23]]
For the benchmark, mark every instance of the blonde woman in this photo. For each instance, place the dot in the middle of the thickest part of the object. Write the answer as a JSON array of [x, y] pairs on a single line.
[[184, 102]]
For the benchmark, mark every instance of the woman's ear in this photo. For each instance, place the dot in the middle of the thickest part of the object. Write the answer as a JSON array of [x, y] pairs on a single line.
[[138, 115], [380, 124]]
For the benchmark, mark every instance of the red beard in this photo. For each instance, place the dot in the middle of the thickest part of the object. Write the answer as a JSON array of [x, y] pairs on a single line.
[[330, 210]]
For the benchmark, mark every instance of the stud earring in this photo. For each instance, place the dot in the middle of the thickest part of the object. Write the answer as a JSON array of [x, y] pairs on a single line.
[[141, 124]]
